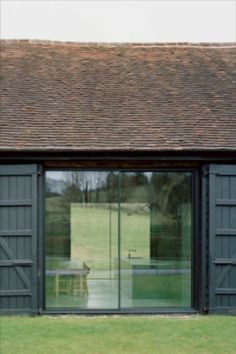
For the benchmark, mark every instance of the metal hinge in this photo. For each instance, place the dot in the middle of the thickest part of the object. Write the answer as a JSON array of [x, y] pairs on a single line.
[[40, 311], [38, 173], [205, 170]]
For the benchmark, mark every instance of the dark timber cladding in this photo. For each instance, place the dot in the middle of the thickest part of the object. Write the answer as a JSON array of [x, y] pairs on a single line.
[[18, 238], [222, 237]]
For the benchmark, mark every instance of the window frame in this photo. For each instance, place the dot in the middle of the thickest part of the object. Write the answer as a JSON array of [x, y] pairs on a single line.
[[196, 246]]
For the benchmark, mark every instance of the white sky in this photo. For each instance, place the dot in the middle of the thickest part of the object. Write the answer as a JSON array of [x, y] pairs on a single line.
[[120, 21]]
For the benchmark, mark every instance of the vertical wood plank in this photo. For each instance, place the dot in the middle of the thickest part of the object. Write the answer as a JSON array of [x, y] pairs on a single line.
[[222, 246], [212, 246], [16, 185]]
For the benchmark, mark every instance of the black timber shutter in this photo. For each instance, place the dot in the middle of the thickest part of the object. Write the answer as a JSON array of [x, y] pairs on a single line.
[[222, 238], [18, 238]]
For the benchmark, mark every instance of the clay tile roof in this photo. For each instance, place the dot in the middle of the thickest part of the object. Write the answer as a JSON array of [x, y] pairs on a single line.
[[85, 96]]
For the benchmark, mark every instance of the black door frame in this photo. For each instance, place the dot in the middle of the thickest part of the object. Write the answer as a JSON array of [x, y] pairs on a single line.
[[198, 283]]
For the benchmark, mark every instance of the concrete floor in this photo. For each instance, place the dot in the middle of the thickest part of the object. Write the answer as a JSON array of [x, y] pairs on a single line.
[[103, 294]]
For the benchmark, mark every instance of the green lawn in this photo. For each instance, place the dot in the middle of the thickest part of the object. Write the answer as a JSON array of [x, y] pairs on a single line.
[[117, 334]]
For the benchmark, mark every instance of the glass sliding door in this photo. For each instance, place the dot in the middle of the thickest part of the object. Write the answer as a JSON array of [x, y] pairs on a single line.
[[118, 240], [156, 233], [81, 240]]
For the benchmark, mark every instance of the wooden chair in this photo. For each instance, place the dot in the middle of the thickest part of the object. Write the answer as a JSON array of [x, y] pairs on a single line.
[[63, 285], [71, 281], [79, 284]]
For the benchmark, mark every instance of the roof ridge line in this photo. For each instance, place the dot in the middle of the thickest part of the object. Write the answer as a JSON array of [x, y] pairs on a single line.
[[123, 44]]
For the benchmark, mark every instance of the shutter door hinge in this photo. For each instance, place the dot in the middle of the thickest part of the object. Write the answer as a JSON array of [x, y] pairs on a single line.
[[40, 311], [205, 170], [206, 308], [40, 170], [37, 173]]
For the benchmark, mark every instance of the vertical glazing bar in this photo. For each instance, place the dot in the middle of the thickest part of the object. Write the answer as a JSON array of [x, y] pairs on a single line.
[[193, 245], [110, 242], [119, 245]]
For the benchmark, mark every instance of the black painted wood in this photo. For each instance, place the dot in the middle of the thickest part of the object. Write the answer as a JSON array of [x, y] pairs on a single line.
[[18, 238], [222, 238]]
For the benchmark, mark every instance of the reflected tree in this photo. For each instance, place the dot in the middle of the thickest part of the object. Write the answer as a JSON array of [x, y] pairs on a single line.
[[84, 186], [170, 196]]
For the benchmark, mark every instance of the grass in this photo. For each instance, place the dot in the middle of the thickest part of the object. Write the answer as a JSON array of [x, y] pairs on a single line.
[[118, 335]]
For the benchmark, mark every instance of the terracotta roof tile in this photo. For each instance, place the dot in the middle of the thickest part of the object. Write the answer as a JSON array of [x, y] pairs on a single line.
[[73, 96]]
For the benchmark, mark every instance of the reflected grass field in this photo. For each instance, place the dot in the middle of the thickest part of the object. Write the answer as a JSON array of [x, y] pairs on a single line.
[[94, 241], [94, 234]]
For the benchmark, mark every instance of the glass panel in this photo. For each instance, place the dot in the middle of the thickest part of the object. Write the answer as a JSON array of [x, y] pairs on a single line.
[[156, 228], [81, 240], [89, 215]]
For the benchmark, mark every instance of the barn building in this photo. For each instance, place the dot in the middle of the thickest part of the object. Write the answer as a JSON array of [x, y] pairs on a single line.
[[117, 178]]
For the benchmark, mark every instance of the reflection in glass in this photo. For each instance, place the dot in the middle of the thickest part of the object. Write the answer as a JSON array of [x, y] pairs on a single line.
[[155, 214], [93, 217], [81, 240]]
